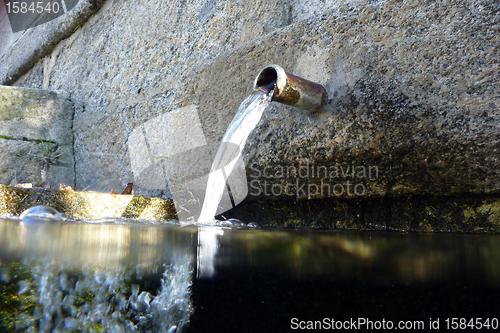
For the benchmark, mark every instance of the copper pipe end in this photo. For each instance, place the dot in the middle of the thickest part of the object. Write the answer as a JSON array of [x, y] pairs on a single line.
[[290, 89]]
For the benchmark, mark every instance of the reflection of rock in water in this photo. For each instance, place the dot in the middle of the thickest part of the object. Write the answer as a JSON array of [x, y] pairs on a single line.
[[107, 300]]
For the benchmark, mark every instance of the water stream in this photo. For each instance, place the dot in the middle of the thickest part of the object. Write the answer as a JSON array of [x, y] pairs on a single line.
[[248, 116]]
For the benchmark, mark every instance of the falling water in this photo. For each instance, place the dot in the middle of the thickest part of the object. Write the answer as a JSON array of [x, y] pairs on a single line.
[[243, 123]]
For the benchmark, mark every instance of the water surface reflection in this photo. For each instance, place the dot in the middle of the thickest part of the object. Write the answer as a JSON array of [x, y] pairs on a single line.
[[131, 276], [380, 256]]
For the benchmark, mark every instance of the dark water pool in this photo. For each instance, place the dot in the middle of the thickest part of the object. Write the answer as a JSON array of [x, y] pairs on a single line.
[[118, 276]]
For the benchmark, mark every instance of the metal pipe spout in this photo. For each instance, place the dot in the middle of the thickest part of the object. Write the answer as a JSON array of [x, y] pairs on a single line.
[[290, 89]]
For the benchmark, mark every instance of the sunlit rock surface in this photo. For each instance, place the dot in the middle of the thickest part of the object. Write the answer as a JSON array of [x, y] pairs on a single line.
[[85, 205]]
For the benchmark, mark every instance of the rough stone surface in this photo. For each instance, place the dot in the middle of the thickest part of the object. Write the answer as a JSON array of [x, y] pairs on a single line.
[[18, 160], [414, 97], [414, 90], [36, 137], [115, 92], [35, 114], [19, 51]]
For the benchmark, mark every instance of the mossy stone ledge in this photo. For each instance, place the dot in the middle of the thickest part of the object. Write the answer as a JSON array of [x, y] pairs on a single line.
[[86, 205], [468, 213]]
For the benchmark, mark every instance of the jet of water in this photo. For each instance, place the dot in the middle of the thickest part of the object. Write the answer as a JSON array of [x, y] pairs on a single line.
[[241, 126]]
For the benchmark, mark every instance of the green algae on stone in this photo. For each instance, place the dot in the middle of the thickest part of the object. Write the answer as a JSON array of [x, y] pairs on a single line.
[[15, 305], [20, 104], [86, 205], [36, 136], [460, 213], [85, 296]]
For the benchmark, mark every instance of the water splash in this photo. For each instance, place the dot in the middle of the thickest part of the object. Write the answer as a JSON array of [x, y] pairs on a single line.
[[208, 245], [241, 126], [105, 300]]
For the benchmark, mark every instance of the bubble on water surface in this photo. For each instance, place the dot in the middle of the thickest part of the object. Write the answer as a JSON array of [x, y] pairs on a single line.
[[40, 214]]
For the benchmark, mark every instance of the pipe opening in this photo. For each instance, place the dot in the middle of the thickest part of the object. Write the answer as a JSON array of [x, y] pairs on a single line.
[[290, 89], [267, 79]]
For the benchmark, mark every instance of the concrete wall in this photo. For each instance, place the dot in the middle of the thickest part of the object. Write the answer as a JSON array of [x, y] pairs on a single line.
[[414, 89]]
